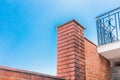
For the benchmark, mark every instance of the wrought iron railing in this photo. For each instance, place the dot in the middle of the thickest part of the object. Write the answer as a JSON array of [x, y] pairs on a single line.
[[108, 27]]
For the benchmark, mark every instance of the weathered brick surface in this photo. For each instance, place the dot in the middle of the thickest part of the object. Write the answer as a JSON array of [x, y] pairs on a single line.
[[71, 52], [97, 67], [6, 73], [15, 74]]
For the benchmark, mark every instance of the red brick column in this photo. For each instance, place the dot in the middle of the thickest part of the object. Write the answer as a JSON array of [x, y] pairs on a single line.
[[71, 51]]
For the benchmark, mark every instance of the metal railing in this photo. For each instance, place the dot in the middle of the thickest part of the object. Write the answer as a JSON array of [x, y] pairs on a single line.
[[108, 27]]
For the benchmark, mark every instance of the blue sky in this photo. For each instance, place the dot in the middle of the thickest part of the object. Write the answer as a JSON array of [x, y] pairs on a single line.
[[28, 35]]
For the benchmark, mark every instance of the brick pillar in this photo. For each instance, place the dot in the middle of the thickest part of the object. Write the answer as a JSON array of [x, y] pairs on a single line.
[[71, 51]]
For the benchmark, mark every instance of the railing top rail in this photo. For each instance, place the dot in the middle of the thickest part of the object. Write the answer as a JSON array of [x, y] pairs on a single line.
[[108, 12]]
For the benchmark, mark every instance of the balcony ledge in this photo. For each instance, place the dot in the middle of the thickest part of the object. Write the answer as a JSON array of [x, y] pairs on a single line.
[[110, 51]]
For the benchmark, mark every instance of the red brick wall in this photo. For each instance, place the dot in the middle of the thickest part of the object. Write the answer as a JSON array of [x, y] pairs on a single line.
[[15, 74], [78, 57], [71, 52], [97, 67]]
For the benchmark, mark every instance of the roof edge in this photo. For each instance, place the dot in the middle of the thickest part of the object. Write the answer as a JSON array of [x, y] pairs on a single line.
[[90, 41], [27, 72], [72, 21]]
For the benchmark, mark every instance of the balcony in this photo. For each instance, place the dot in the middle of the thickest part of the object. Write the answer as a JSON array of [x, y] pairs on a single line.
[[110, 51]]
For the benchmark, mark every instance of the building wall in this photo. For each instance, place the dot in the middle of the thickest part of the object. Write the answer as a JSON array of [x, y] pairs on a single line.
[[15, 74], [115, 69], [74, 47], [71, 52], [97, 67]]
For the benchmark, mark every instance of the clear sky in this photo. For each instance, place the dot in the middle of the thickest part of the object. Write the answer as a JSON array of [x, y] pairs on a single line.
[[28, 35]]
